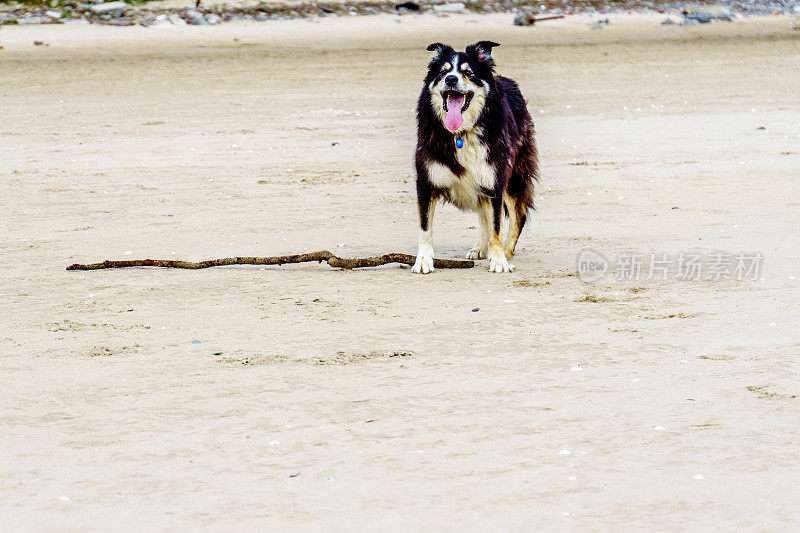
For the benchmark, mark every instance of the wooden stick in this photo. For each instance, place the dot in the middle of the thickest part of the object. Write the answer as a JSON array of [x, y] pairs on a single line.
[[324, 255], [551, 17]]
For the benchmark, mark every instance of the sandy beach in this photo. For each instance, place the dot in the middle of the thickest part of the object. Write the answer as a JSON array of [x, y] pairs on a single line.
[[310, 398]]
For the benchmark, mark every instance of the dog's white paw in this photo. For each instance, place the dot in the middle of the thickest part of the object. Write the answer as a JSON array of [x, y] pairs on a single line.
[[500, 264], [423, 264], [476, 252]]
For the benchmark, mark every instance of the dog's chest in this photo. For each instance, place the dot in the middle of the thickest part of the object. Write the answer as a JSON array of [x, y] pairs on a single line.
[[466, 190]]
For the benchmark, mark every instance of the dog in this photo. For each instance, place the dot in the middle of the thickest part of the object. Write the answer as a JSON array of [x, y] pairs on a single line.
[[475, 149]]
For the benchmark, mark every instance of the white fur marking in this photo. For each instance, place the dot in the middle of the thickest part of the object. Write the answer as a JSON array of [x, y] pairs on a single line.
[[465, 191], [424, 262], [497, 257]]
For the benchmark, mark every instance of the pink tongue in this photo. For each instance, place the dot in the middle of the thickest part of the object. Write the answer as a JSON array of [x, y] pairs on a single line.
[[453, 119]]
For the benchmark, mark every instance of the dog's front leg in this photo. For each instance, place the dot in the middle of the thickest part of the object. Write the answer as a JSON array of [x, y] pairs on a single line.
[[426, 204], [493, 209]]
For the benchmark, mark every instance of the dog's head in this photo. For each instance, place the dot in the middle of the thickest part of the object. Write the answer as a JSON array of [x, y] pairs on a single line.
[[460, 82]]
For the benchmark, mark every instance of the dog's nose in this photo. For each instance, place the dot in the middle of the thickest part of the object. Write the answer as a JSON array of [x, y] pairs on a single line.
[[451, 80]]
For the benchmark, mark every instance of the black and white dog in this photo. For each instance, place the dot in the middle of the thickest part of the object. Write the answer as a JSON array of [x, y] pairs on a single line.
[[475, 149]]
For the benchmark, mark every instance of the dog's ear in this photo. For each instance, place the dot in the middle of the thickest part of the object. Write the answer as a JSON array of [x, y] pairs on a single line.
[[442, 50], [482, 51]]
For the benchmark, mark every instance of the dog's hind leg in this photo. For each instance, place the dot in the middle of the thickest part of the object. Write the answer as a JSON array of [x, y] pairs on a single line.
[[517, 215], [493, 210], [479, 250]]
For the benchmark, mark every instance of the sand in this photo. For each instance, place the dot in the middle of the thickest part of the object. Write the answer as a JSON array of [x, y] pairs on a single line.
[[243, 398]]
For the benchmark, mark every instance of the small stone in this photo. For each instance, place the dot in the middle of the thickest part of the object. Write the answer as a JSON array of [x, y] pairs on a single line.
[[525, 18], [110, 8], [34, 20], [455, 7]]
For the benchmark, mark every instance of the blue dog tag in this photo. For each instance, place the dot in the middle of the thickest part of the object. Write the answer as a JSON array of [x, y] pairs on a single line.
[[459, 143]]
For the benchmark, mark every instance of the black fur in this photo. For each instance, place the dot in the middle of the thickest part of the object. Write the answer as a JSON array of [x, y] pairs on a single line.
[[508, 135]]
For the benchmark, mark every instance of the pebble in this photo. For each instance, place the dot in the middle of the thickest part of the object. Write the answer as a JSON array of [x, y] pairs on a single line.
[[160, 20], [116, 9], [34, 20], [455, 7]]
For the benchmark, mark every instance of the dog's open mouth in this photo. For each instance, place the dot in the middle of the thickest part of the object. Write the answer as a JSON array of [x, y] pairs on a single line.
[[455, 103]]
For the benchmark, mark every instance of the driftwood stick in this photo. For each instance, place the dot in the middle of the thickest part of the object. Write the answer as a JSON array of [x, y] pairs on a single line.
[[324, 255], [552, 17]]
